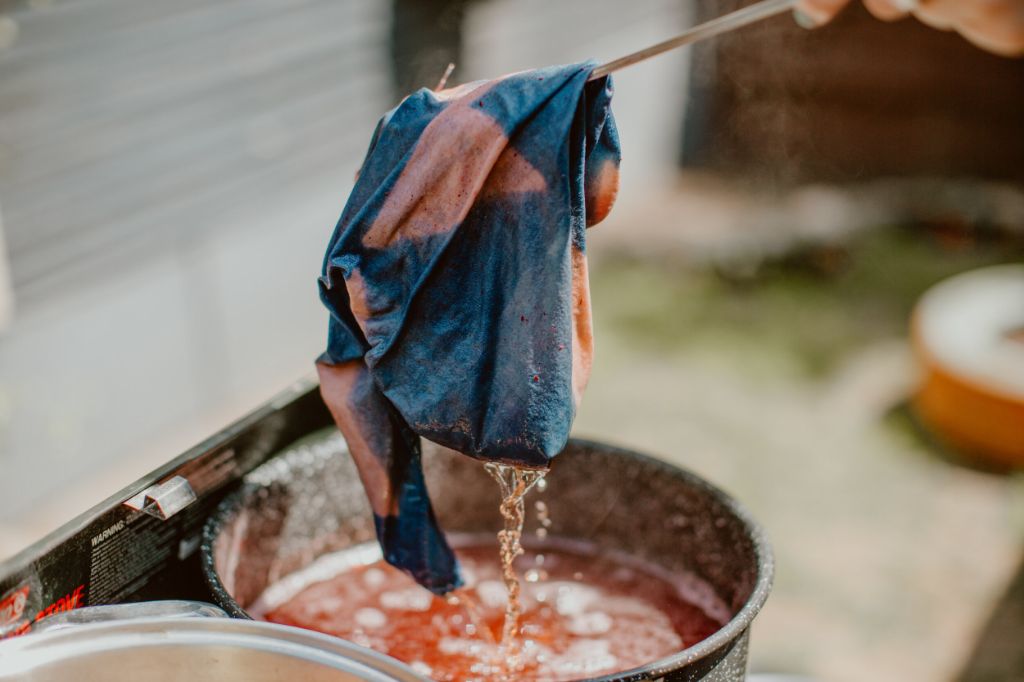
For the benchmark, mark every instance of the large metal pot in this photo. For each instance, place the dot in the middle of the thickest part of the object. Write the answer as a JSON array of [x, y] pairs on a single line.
[[309, 501], [184, 648]]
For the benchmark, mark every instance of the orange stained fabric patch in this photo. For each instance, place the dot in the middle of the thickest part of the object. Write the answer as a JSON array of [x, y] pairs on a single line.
[[582, 325], [512, 174], [433, 195], [603, 192], [338, 384], [356, 288]]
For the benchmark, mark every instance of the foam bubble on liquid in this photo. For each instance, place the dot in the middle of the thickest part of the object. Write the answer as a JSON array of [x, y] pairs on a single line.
[[422, 668], [374, 577], [569, 629], [648, 629], [412, 599], [363, 639], [571, 598], [689, 586], [468, 574], [628, 607], [323, 568], [590, 624], [534, 575], [371, 618], [492, 593], [460, 646], [703, 595], [584, 657], [329, 605]]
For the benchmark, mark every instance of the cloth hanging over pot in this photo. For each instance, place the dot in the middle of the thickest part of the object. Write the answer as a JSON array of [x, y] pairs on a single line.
[[456, 280]]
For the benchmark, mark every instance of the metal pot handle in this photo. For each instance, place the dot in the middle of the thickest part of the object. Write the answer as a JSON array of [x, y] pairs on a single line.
[[169, 608]]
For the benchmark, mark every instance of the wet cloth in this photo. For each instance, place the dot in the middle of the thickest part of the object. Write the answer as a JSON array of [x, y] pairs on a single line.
[[456, 280]]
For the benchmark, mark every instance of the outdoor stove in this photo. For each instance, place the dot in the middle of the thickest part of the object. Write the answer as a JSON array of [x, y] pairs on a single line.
[[215, 526], [143, 542]]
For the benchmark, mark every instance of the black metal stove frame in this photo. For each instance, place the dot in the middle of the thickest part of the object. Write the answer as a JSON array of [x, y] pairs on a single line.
[[142, 544]]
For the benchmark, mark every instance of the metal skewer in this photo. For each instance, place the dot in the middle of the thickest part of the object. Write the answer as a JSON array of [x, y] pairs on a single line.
[[723, 24], [444, 78]]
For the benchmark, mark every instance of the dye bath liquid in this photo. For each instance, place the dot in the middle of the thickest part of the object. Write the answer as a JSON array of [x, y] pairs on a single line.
[[583, 612]]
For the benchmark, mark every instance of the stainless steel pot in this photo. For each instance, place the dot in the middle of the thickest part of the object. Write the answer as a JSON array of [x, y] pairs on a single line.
[[308, 502], [117, 643]]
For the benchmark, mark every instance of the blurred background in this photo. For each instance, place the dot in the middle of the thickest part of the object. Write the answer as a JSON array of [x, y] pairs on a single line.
[[170, 173]]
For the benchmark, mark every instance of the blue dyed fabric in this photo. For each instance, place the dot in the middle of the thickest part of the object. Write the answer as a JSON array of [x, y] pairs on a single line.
[[457, 285]]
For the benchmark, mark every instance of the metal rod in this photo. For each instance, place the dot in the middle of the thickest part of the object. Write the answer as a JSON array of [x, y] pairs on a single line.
[[726, 22], [444, 78]]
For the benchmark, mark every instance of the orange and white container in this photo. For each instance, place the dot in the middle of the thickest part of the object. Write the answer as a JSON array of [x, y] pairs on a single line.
[[968, 334]]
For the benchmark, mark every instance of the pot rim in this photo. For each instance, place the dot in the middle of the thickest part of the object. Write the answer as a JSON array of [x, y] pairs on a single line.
[[720, 641], [728, 634]]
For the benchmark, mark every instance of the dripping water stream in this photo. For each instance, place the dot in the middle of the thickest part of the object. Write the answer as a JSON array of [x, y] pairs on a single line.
[[513, 482]]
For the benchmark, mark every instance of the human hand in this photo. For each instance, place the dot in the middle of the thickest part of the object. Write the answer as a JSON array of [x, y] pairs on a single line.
[[993, 25]]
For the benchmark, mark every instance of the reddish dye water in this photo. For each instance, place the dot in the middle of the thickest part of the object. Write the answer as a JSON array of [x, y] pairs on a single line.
[[584, 613]]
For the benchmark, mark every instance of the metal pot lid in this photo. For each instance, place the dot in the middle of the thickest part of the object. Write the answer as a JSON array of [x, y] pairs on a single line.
[[193, 650]]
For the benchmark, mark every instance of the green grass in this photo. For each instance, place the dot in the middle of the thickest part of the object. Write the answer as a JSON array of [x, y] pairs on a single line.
[[802, 313]]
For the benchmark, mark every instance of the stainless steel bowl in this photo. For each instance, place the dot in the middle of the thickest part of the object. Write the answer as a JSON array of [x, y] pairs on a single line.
[[175, 649]]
